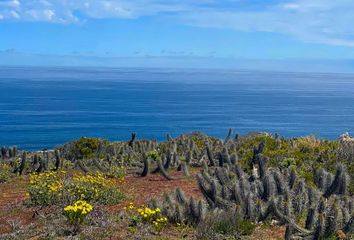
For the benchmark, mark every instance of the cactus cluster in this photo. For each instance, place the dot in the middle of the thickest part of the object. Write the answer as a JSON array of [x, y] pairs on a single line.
[[180, 209], [268, 193], [8, 152]]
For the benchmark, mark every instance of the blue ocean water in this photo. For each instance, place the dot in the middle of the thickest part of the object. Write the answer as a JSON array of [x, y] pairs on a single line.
[[45, 107]]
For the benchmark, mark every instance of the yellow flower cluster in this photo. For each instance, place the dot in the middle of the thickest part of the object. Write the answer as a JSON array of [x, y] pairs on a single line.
[[118, 173], [45, 188], [5, 171], [148, 215], [161, 220], [54, 187], [77, 212], [87, 187], [80, 206]]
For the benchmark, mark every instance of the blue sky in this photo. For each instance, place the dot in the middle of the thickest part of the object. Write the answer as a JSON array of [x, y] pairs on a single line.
[[195, 33]]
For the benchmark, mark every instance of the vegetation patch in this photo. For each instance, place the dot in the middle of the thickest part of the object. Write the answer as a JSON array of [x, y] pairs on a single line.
[[50, 188]]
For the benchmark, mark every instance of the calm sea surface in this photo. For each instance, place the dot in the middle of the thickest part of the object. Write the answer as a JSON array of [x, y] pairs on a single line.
[[44, 107]]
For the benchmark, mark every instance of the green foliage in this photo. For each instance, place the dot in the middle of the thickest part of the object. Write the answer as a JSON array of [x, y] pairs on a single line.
[[245, 227], [153, 155], [77, 212], [5, 172], [198, 142], [50, 188], [87, 147], [306, 154], [118, 172], [225, 224]]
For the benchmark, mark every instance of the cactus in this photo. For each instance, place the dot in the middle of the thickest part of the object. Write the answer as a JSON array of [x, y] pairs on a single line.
[[180, 196], [292, 178], [210, 155], [225, 156], [185, 170], [23, 162], [234, 158], [228, 137], [194, 210], [162, 170], [320, 227], [41, 165], [332, 220], [3, 152], [221, 175], [82, 166], [268, 187], [168, 161], [339, 183], [13, 152], [279, 181], [131, 142], [58, 163], [145, 171], [288, 232], [349, 227], [99, 166], [310, 219]]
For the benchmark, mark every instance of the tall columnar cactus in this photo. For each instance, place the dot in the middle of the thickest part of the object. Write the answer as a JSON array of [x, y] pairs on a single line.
[[58, 161], [339, 184], [209, 155], [236, 137], [132, 140], [167, 161], [185, 170], [228, 137], [23, 163], [310, 218], [13, 152], [41, 165], [278, 195], [234, 158], [3, 153], [145, 171], [82, 166], [168, 137], [162, 170]]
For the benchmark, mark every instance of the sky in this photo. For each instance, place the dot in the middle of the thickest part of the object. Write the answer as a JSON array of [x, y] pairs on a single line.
[[311, 34]]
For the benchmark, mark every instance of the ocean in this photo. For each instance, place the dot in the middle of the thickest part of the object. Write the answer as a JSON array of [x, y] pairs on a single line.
[[43, 107]]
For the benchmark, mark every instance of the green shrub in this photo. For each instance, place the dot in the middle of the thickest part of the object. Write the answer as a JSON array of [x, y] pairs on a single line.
[[306, 154], [5, 172], [87, 147], [221, 224], [59, 188]]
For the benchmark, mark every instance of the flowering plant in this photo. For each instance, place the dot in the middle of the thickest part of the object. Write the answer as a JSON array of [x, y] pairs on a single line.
[[77, 212]]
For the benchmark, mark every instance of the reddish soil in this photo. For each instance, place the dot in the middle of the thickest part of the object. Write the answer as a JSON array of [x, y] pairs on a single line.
[[12, 211], [141, 189]]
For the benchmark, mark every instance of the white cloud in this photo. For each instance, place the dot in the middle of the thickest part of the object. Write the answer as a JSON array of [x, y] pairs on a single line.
[[291, 6], [10, 3], [318, 21], [14, 14]]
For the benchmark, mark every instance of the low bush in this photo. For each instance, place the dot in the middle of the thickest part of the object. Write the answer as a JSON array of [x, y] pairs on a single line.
[[5, 172], [219, 224], [58, 187], [147, 215], [77, 212]]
